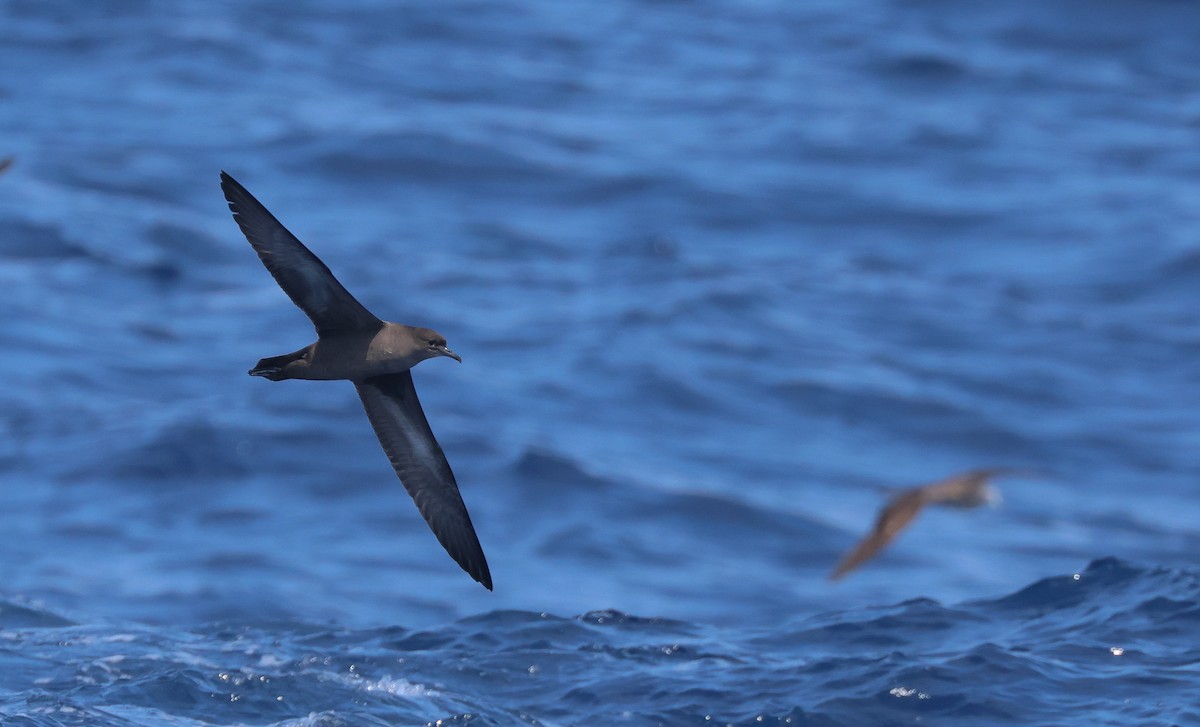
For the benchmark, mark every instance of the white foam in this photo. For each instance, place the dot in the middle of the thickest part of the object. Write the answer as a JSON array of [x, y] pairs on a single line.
[[399, 687]]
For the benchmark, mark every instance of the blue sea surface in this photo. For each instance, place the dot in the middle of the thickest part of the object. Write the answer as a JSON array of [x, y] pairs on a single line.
[[722, 275]]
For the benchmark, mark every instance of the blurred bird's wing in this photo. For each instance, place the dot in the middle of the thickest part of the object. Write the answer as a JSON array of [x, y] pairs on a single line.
[[894, 517]]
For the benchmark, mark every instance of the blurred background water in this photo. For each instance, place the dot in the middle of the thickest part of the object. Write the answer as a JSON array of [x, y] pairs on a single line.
[[721, 274]]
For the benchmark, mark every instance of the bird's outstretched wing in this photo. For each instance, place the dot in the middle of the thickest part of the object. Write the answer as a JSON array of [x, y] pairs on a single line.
[[302, 275], [396, 415], [894, 517]]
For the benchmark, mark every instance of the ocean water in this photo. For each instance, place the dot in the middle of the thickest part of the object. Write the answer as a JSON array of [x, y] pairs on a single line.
[[721, 274]]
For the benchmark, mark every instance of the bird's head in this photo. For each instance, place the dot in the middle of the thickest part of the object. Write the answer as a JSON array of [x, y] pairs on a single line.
[[992, 497], [432, 344]]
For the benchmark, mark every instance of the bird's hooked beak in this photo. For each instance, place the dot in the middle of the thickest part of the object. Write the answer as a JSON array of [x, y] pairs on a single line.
[[445, 351]]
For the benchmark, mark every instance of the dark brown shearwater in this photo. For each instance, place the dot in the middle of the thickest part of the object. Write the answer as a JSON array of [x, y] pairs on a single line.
[[376, 355], [965, 490]]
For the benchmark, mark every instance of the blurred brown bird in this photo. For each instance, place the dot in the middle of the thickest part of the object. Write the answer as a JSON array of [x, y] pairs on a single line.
[[965, 490], [5, 163]]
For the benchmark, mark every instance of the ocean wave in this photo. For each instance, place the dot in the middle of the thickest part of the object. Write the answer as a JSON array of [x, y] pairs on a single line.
[[1095, 636]]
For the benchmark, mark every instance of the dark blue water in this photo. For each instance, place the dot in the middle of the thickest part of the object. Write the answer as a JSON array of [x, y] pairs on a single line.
[[721, 274]]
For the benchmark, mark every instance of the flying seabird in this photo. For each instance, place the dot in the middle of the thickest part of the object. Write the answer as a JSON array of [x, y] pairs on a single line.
[[376, 355], [966, 490]]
